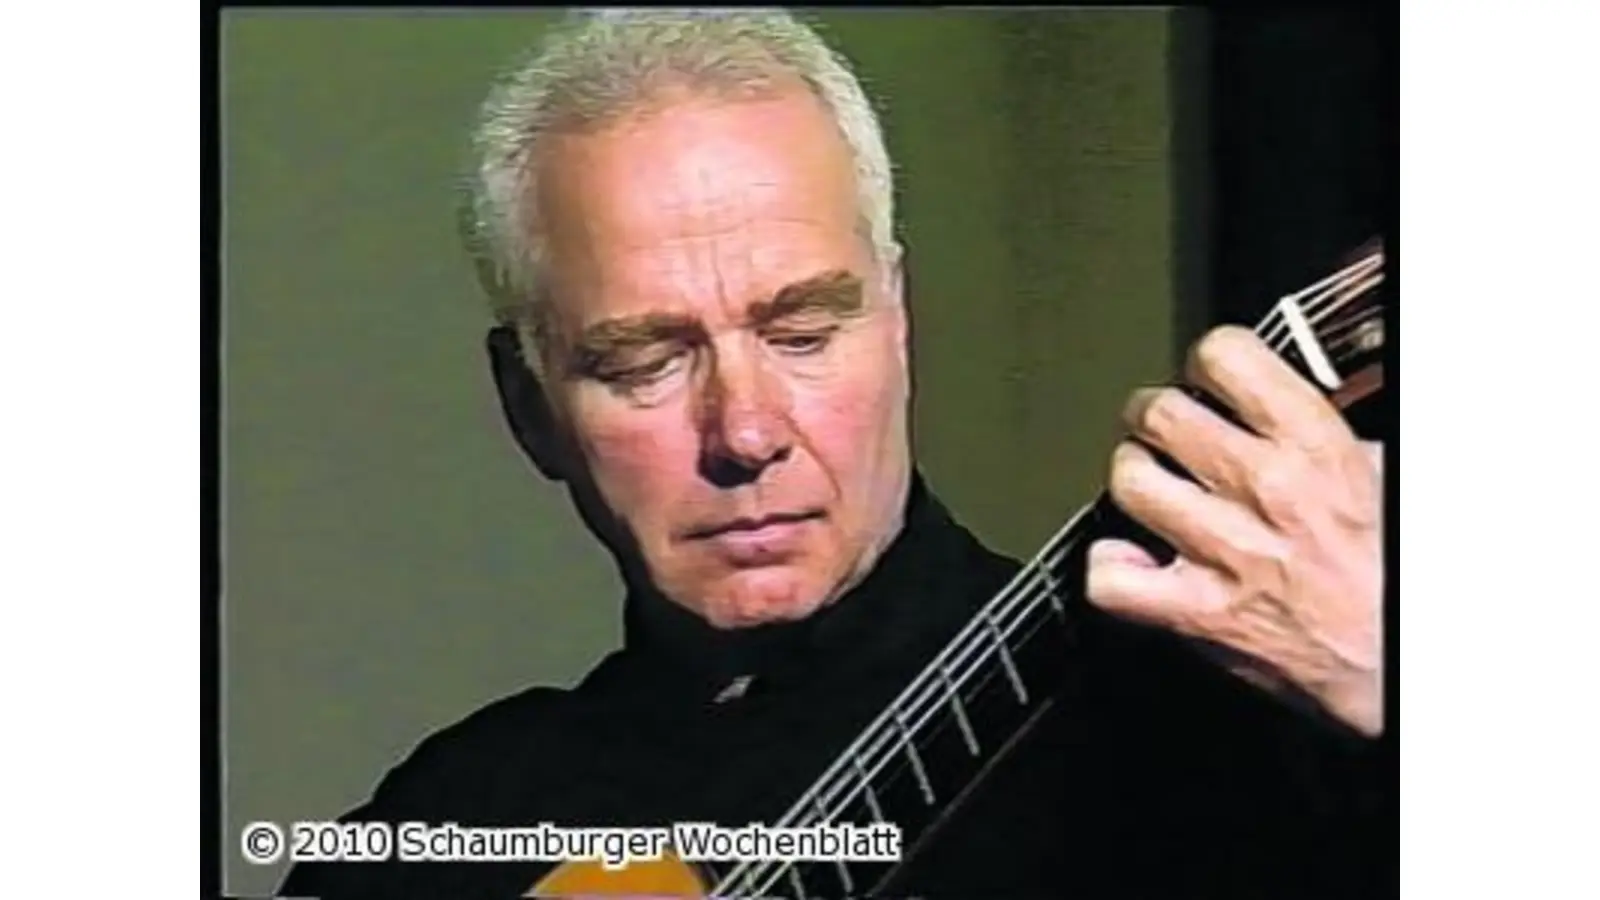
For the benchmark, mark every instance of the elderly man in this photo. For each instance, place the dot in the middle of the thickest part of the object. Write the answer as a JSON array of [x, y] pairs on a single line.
[[685, 221]]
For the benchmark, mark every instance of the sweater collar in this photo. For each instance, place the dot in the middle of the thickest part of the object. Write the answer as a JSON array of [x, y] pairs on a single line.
[[899, 601]]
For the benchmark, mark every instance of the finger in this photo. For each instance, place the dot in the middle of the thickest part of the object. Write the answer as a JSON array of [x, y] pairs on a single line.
[[1123, 579], [1116, 550], [1199, 524], [1181, 597], [1235, 366], [1214, 450]]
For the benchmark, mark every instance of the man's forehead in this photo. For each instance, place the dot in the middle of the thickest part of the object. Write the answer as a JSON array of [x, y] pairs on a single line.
[[748, 262], [699, 162]]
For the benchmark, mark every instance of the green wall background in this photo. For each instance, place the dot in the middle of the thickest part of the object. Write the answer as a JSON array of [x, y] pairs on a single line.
[[391, 563]]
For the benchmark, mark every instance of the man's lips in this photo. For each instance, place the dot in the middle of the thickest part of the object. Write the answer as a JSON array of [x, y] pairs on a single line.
[[748, 527]]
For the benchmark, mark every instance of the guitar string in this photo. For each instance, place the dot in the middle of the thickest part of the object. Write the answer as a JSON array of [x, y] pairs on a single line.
[[1022, 587], [1353, 292], [1338, 330], [1343, 287], [1331, 294]]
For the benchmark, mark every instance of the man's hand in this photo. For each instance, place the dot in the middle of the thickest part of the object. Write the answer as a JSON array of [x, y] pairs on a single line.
[[1279, 567]]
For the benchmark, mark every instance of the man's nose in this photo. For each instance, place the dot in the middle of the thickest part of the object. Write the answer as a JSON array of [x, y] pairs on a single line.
[[748, 426]]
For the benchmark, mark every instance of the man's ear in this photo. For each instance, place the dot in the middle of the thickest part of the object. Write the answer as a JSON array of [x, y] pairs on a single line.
[[523, 401], [895, 285], [897, 273]]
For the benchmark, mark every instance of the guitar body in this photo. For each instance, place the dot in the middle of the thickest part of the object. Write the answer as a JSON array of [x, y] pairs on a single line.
[[665, 877]]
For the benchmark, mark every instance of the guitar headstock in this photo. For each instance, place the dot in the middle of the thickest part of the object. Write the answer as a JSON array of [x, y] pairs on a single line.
[[1333, 328]]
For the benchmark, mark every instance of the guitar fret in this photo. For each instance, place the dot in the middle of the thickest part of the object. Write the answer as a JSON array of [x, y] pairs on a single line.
[[824, 818], [1052, 591], [967, 734], [916, 760], [1302, 335], [1005, 658], [844, 876], [866, 789]]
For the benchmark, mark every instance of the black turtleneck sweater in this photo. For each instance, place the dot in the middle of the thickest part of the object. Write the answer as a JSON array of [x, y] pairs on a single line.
[[1163, 777]]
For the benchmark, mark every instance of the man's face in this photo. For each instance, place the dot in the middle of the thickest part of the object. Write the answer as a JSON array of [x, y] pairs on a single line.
[[726, 356]]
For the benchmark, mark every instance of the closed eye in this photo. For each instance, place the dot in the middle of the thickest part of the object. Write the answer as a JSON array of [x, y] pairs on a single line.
[[802, 343], [643, 374]]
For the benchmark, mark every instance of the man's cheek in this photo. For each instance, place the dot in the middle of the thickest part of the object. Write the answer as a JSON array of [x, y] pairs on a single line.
[[839, 432], [856, 405], [631, 466]]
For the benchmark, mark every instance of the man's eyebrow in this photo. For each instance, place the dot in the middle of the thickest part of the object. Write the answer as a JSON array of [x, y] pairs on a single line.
[[837, 292], [605, 338]]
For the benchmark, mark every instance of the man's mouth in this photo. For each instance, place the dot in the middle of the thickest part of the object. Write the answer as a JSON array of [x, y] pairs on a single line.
[[754, 528]]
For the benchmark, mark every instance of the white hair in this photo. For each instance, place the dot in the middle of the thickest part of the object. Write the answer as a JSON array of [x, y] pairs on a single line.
[[598, 66]]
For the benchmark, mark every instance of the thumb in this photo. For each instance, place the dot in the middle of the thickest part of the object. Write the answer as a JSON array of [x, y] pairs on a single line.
[[1125, 580]]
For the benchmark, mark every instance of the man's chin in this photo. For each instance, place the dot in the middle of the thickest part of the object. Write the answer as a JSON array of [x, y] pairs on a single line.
[[764, 598]]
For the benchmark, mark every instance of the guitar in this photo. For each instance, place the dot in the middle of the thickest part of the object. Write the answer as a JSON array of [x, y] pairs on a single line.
[[932, 747]]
